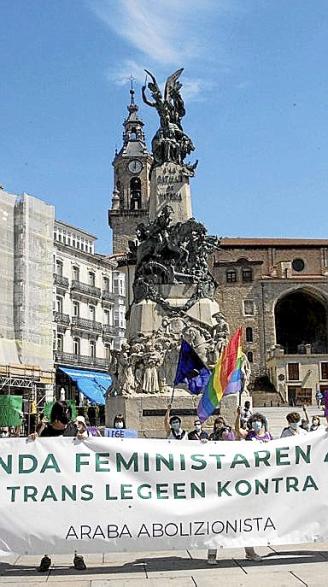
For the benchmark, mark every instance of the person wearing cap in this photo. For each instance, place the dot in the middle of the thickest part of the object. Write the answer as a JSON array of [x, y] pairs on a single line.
[[173, 426], [82, 431], [198, 433]]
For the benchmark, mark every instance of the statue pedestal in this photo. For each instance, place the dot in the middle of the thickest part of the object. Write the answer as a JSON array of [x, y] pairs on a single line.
[[147, 316], [169, 185], [145, 413]]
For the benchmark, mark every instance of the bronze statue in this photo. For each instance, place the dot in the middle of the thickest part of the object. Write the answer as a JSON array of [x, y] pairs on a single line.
[[170, 143]]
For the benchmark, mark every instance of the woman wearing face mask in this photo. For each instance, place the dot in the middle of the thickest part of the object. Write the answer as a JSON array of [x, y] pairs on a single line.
[[119, 422], [225, 433], [173, 426], [257, 428], [294, 427]]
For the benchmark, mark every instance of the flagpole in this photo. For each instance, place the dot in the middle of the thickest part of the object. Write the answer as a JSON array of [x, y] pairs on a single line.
[[172, 395]]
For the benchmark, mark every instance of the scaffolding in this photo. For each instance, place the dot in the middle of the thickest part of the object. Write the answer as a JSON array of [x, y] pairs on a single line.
[[26, 291]]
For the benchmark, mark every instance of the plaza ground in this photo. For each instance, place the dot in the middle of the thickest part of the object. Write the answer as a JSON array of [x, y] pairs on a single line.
[[297, 565]]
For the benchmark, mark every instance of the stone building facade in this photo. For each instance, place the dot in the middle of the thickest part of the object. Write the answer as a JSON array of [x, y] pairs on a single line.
[[278, 290], [89, 302]]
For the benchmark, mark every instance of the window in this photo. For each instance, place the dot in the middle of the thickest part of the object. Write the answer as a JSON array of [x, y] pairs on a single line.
[[76, 273], [60, 343], [116, 319], [92, 313], [249, 334], [324, 370], [106, 284], [59, 304], [298, 265], [135, 193], [92, 278], [115, 285], [59, 268], [231, 276], [121, 286], [76, 308], [106, 317], [293, 371], [92, 349], [247, 275], [107, 352], [249, 308], [76, 346], [250, 356]]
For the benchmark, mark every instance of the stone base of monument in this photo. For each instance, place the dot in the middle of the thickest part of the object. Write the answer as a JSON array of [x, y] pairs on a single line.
[[145, 412], [169, 184], [147, 315]]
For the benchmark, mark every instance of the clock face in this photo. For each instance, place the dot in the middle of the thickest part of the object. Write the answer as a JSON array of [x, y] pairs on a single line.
[[135, 166]]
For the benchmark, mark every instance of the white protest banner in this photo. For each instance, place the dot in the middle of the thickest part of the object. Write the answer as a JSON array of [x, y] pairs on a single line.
[[109, 494]]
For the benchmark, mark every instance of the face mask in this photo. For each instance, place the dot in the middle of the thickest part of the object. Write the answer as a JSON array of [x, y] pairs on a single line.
[[294, 425], [315, 424], [119, 425], [198, 427], [175, 426], [256, 426]]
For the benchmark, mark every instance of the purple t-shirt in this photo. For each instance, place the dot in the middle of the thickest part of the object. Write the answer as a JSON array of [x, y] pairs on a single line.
[[252, 435]]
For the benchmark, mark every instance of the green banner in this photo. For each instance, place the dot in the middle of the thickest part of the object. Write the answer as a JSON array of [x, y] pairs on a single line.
[[11, 410]]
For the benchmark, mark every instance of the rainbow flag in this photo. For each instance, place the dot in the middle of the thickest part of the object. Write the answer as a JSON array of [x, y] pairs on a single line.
[[226, 378]]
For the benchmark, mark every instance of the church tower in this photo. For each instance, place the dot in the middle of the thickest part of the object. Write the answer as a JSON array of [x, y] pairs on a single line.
[[130, 201]]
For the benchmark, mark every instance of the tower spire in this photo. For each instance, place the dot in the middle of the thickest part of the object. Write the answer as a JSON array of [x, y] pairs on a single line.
[[132, 79]]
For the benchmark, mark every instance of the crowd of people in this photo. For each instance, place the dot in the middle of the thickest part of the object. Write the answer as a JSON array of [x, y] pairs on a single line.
[[248, 426]]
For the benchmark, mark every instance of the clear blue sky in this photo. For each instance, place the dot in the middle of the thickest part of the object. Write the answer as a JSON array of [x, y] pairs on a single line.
[[256, 91]]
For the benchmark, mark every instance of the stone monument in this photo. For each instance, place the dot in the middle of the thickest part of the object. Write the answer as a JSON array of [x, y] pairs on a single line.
[[173, 289]]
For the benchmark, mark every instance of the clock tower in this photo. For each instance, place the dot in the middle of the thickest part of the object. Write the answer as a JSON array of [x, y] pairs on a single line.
[[130, 201]]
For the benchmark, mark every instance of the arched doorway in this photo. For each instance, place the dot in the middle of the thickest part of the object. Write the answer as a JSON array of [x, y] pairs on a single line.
[[301, 318]]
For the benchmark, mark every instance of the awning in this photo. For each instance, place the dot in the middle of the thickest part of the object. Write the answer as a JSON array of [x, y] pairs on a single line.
[[93, 384]]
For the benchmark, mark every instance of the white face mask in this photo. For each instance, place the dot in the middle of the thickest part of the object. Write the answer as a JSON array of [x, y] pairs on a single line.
[[256, 426], [119, 425], [294, 425]]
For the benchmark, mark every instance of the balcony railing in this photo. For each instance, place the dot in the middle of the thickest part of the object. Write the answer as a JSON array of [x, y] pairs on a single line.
[[108, 295], [81, 360], [61, 281], [84, 288], [110, 330], [85, 324], [60, 318]]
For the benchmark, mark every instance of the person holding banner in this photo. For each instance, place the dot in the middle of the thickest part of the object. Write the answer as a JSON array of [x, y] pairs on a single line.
[[60, 425], [294, 428], [257, 428]]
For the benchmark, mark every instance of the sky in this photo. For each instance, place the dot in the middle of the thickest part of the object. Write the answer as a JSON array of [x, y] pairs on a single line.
[[255, 85]]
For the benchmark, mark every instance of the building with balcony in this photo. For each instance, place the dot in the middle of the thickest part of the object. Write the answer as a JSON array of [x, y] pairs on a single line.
[[89, 306]]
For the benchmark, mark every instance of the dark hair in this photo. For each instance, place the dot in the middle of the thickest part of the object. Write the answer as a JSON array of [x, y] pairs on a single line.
[[293, 417], [119, 418], [256, 417], [61, 411], [174, 419], [247, 403]]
